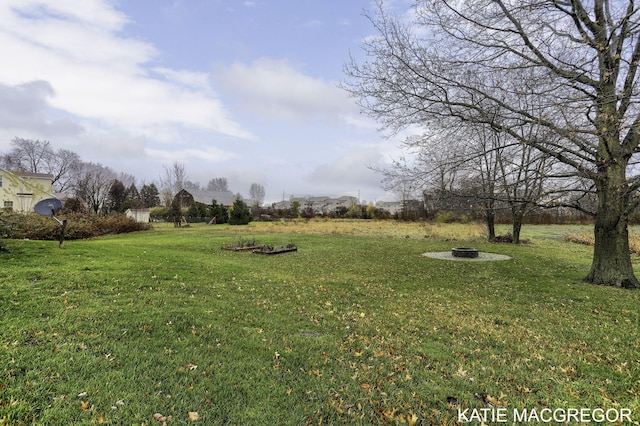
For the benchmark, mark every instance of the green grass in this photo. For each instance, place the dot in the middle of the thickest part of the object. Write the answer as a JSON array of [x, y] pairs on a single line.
[[351, 329]]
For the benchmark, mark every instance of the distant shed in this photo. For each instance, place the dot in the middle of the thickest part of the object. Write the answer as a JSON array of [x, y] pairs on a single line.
[[139, 215]]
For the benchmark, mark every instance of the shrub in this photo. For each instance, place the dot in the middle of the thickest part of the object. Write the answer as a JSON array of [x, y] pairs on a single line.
[[445, 216], [79, 226], [158, 214]]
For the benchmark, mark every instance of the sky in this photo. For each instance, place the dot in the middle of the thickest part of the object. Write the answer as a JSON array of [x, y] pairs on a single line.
[[246, 90]]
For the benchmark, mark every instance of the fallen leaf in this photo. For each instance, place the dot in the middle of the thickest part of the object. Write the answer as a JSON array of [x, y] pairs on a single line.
[[193, 416], [390, 413], [412, 419], [161, 419]]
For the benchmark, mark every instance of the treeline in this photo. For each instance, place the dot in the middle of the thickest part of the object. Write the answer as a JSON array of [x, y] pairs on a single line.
[[92, 187], [214, 213]]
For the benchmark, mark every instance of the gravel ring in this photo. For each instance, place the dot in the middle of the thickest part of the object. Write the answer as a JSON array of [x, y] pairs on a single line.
[[482, 256]]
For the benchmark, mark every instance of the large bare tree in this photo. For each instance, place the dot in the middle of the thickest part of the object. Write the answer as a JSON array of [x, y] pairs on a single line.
[[38, 156], [172, 180], [93, 184], [256, 193], [568, 67], [218, 184]]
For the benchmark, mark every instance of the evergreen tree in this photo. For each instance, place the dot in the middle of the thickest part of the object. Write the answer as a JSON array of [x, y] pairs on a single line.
[[219, 212], [132, 199], [240, 214], [198, 211], [150, 195], [175, 213], [116, 196]]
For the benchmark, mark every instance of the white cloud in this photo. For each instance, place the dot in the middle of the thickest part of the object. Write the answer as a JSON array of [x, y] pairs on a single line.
[[99, 75], [23, 108], [191, 79], [275, 88], [208, 154], [344, 22], [352, 168]]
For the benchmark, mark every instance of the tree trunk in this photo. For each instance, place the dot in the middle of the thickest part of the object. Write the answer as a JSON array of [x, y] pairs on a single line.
[[491, 224], [611, 263], [517, 215], [515, 229]]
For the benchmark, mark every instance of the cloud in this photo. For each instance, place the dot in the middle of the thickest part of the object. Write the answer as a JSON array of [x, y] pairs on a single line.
[[344, 22], [99, 74], [275, 88], [352, 168], [23, 110], [207, 154]]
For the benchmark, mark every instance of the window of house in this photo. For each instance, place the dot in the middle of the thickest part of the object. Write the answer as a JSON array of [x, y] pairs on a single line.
[[0, 181], [8, 205]]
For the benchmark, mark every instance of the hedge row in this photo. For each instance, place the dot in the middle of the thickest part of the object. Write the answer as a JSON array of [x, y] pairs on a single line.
[[79, 226]]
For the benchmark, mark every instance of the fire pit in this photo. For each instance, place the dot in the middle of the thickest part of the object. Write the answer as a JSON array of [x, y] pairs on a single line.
[[468, 252]]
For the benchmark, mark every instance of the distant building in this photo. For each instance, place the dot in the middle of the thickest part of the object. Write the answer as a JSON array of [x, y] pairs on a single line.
[[20, 191], [139, 215], [393, 207]]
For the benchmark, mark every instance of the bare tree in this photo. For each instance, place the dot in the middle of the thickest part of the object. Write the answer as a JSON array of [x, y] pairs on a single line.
[[192, 186], [256, 193], [172, 180], [37, 156], [218, 184], [93, 185], [64, 166], [29, 155], [568, 67], [471, 167]]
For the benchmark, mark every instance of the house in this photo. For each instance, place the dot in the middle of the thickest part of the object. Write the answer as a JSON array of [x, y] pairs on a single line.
[[21, 191], [186, 198], [139, 215], [393, 207]]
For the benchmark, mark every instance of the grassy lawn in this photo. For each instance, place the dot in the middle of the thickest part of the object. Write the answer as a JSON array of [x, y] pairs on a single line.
[[356, 327]]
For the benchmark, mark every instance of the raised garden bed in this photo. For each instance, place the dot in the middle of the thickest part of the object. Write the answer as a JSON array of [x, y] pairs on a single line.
[[242, 245], [256, 248], [243, 248], [276, 249]]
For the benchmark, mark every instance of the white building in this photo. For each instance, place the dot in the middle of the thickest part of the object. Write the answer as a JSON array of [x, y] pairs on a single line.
[[20, 191]]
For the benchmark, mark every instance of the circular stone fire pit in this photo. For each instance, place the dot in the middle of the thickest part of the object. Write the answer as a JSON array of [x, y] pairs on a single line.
[[466, 252], [481, 256]]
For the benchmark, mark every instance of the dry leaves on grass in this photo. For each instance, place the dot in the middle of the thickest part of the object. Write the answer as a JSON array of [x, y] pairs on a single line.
[[384, 228], [188, 367], [163, 420], [588, 239]]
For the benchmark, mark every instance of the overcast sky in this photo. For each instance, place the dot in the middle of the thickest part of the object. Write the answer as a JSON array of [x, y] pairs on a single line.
[[245, 90]]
